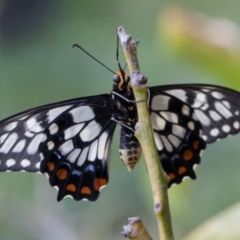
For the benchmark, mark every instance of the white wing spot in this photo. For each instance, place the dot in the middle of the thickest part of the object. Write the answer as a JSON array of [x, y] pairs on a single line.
[[29, 134], [205, 90], [10, 162], [178, 131], [174, 140], [83, 156], [158, 141], [33, 125], [53, 128], [223, 110], [214, 115], [52, 114], [100, 189], [181, 94], [91, 131], [204, 107], [169, 116], [44, 137], [19, 146], [191, 125], [82, 114], [66, 147], [201, 97], [93, 151], [226, 128], [166, 143], [226, 104], [72, 157], [3, 137], [106, 152], [214, 132], [160, 102], [24, 117], [50, 145], [47, 175], [204, 119], [236, 125], [41, 156], [73, 131], [199, 100], [217, 95], [34, 144], [158, 123], [11, 126], [102, 145], [9, 142], [204, 137], [25, 163], [68, 196], [194, 117], [37, 165], [185, 110], [236, 113]]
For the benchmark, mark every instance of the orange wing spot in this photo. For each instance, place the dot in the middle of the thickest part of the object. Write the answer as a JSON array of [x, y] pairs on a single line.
[[182, 170], [62, 174], [86, 190], [196, 145], [71, 187], [171, 176], [187, 155], [99, 182], [51, 166]]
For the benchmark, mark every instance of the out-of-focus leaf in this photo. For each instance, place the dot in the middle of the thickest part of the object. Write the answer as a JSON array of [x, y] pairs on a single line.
[[212, 44], [224, 226]]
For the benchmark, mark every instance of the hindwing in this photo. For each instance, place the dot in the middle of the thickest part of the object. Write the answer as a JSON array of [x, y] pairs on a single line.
[[177, 134], [185, 117]]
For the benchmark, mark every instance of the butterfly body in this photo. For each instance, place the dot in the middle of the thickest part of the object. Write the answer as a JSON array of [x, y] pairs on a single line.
[[126, 115]]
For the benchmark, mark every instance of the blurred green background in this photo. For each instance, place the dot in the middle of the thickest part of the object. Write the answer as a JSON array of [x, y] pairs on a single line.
[[38, 66]]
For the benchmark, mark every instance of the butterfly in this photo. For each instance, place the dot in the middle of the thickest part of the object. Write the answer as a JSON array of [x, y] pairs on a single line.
[[69, 141]]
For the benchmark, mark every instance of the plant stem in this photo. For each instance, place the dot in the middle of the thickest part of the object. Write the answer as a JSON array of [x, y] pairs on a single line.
[[144, 133]]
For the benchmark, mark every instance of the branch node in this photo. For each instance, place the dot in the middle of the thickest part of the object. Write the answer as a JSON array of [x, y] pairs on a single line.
[[135, 230], [157, 208], [139, 79], [125, 39]]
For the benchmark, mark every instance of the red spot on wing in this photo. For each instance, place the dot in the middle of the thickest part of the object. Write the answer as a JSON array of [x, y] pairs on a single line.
[[99, 182], [86, 190]]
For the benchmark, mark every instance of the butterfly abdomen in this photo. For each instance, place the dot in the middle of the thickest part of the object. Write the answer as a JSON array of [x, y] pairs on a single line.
[[129, 148]]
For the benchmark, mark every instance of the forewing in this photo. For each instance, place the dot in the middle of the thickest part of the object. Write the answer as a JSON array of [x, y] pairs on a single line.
[[68, 141], [217, 108], [177, 134]]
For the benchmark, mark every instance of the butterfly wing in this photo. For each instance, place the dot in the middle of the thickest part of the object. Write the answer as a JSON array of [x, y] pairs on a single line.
[[217, 108], [177, 134], [67, 141]]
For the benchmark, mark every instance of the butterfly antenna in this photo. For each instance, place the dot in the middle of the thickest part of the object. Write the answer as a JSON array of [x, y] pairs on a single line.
[[90, 55]]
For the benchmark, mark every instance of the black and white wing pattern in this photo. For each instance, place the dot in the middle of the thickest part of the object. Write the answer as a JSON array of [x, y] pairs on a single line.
[[185, 117], [177, 134], [217, 108], [67, 141]]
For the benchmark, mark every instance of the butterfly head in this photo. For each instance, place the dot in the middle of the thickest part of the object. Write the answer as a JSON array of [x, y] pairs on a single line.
[[121, 81]]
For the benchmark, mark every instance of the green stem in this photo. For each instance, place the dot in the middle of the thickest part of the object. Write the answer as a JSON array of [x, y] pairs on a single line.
[[144, 133]]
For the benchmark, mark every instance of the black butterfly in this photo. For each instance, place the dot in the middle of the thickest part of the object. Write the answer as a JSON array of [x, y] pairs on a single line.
[[69, 141]]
